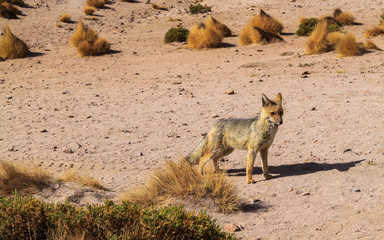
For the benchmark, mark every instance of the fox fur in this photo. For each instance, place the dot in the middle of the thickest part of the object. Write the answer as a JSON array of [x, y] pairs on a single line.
[[255, 135]]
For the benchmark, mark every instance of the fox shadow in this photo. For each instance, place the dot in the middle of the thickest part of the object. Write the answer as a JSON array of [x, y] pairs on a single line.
[[298, 169]]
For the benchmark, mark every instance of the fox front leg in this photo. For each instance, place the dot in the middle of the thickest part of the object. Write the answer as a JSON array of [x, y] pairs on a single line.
[[264, 162], [250, 162]]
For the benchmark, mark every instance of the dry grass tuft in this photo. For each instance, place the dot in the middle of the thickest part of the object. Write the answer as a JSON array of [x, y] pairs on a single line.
[[261, 29], [212, 22], [267, 23], [96, 3], [181, 180], [11, 46], [157, 7], [252, 35], [83, 33], [11, 8], [204, 37], [84, 180], [334, 38], [98, 47], [89, 10], [344, 18], [374, 31], [348, 46], [369, 44], [65, 18], [317, 42], [21, 178]]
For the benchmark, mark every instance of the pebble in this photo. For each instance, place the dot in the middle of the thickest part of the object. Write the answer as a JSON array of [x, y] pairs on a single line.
[[67, 150], [231, 227], [230, 92]]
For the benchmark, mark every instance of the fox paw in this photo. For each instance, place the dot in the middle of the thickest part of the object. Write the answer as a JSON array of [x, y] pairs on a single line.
[[250, 181], [267, 176]]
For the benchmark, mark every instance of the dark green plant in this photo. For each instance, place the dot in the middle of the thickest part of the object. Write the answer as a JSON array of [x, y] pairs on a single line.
[[179, 34], [334, 28], [30, 218], [198, 8], [307, 26]]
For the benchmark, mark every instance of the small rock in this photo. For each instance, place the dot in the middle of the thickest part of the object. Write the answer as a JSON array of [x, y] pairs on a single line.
[[230, 92], [313, 109], [356, 190], [56, 186], [214, 116], [44, 131], [231, 227], [67, 150], [305, 194]]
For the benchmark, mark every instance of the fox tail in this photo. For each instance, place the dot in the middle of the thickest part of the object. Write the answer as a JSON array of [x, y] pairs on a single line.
[[194, 157]]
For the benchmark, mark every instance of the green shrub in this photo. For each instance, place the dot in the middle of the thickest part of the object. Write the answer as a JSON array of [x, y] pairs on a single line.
[[307, 26], [334, 28], [30, 218], [179, 34], [198, 8]]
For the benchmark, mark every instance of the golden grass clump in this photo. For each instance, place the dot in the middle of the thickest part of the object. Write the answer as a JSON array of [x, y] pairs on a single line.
[[369, 44], [11, 46], [96, 3], [89, 10], [267, 23], [374, 31], [11, 8], [82, 33], [344, 18], [157, 7], [22, 178], [334, 38], [261, 29], [98, 47], [348, 46], [317, 42], [180, 180], [83, 180], [204, 37], [65, 18], [212, 22]]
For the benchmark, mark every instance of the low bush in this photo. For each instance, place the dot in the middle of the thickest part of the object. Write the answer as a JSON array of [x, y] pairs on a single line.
[[179, 34], [89, 10], [30, 218], [19, 3], [65, 18], [96, 3], [344, 18], [198, 8], [11, 46], [11, 8]]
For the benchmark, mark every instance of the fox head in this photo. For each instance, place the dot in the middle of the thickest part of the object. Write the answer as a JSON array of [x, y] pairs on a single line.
[[273, 110]]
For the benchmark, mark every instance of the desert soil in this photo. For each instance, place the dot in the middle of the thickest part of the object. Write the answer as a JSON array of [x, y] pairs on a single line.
[[119, 116]]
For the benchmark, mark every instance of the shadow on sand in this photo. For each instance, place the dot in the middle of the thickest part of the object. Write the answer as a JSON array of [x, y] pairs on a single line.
[[298, 169]]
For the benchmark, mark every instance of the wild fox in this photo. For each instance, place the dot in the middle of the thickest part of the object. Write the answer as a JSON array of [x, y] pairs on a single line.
[[254, 134]]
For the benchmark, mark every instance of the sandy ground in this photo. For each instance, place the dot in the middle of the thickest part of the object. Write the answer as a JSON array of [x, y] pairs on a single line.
[[121, 115]]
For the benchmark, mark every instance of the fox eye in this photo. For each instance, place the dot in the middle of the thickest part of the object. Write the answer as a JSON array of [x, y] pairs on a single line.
[[272, 113]]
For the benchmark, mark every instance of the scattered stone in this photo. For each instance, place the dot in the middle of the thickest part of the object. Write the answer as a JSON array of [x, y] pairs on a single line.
[[231, 227], [313, 109], [305, 194], [44, 131], [214, 116], [67, 150], [230, 92], [356, 190], [56, 186], [347, 150]]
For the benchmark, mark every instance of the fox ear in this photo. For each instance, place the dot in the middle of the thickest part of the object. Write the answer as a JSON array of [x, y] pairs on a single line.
[[265, 100], [278, 97]]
